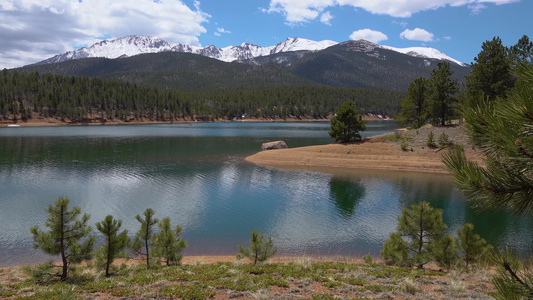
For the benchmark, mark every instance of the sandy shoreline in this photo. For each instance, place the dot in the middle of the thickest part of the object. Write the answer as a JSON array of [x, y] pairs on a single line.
[[48, 122], [366, 155]]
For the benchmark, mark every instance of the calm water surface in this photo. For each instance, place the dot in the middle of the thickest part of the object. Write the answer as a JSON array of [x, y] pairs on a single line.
[[196, 175]]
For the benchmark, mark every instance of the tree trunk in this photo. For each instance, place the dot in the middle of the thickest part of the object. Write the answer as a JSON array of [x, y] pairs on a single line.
[[147, 254], [62, 246], [421, 237], [108, 262]]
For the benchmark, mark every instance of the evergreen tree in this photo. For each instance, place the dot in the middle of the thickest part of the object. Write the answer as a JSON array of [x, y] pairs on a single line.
[[420, 229], [413, 107], [115, 242], [471, 245], [260, 249], [143, 238], [347, 123], [68, 236], [503, 130], [522, 52], [441, 94], [168, 244], [491, 75]]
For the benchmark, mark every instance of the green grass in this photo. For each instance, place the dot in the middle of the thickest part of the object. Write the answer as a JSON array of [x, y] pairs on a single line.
[[205, 281]]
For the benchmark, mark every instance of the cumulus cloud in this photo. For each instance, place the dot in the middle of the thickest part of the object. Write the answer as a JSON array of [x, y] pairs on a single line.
[[369, 35], [32, 30], [296, 11], [417, 34], [326, 18]]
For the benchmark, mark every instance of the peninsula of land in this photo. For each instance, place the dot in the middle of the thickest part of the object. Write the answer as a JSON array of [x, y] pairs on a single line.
[[379, 153]]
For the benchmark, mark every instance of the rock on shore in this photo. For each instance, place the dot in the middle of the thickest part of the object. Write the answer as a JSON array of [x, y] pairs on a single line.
[[274, 145]]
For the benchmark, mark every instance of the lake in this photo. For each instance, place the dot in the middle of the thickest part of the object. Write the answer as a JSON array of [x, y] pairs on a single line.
[[196, 175]]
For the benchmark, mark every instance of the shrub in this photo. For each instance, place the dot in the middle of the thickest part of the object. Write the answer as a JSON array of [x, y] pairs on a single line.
[[168, 244], [444, 140], [431, 140], [404, 145], [369, 260], [260, 249]]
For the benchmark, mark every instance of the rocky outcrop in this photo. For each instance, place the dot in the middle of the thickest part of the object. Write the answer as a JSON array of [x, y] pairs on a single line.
[[274, 145]]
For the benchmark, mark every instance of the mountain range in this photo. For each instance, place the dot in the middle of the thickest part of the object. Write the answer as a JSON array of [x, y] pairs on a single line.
[[136, 44], [295, 62]]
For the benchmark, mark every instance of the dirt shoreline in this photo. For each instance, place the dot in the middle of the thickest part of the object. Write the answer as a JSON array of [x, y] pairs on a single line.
[[376, 153], [48, 122]]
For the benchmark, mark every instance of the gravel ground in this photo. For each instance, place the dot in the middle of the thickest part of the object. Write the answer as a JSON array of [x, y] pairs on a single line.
[[456, 134]]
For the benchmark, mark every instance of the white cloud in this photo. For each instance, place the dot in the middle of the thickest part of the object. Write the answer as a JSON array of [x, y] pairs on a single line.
[[32, 30], [326, 18], [402, 24], [476, 8], [221, 31], [417, 34], [297, 11], [369, 35]]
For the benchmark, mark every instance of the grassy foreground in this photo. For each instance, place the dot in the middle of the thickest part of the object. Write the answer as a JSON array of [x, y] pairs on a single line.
[[302, 279]]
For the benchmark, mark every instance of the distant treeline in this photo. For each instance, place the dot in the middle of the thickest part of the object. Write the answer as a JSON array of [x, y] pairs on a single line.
[[23, 95]]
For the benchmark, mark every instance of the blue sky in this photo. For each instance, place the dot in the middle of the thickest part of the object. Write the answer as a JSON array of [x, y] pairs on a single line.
[[33, 30]]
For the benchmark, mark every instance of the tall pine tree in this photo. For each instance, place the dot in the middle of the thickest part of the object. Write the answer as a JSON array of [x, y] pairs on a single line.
[[441, 94], [347, 123], [414, 106], [503, 130], [491, 75]]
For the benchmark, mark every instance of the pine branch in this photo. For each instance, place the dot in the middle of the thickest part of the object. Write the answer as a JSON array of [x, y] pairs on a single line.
[[513, 274]]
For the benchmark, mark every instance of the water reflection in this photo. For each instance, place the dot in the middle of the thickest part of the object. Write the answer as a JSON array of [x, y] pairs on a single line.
[[197, 176], [346, 194]]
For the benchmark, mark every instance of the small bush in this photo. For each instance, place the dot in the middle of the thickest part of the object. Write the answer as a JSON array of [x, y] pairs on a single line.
[[369, 260], [409, 286], [404, 145], [444, 140], [431, 140], [260, 250], [41, 273]]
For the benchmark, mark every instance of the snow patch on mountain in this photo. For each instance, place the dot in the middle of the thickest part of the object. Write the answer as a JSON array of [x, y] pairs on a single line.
[[425, 52], [299, 44]]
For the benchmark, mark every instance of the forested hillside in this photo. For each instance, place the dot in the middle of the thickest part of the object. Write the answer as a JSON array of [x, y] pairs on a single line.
[[360, 64], [78, 99], [175, 86], [173, 70]]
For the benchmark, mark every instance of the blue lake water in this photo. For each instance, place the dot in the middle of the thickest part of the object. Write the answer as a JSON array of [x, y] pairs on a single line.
[[196, 175]]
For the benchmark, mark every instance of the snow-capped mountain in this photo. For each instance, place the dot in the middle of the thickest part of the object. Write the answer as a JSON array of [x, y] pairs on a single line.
[[135, 44], [425, 52]]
